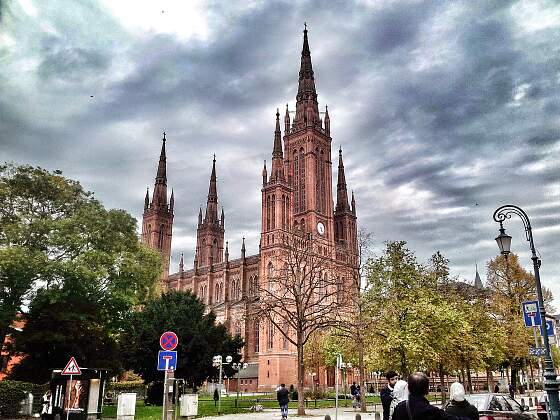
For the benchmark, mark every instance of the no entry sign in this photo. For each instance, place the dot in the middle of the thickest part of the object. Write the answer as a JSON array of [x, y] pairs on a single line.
[[168, 340]]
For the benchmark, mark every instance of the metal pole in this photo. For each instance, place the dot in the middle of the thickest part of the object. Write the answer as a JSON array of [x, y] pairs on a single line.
[[336, 387], [550, 382], [69, 392], [237, 397], [220, 391], [163, 415]]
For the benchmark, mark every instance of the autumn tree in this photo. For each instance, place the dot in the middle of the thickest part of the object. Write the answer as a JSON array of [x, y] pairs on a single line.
[[510, 285], [300, 297]]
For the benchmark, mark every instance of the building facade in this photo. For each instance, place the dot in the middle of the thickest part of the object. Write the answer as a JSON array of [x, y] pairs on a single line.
[[297, 194]]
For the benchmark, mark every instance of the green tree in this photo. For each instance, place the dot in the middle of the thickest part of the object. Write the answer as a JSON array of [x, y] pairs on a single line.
[[56, 238], [200, 338], [510, 285]]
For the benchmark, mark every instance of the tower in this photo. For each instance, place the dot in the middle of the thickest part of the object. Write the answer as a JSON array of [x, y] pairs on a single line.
[[157, 220], [307, 157], [210, 230]]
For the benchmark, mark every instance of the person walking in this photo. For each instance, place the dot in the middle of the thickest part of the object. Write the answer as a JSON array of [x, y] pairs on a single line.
[[417, 407], [282, 395], [458, 405], [386, 393], [400, 393], [46, 410]]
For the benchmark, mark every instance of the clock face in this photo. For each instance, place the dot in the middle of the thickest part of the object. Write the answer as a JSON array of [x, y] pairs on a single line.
[[321, 228]]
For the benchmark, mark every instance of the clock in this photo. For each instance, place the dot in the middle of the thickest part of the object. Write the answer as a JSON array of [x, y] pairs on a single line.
[[321, 228]]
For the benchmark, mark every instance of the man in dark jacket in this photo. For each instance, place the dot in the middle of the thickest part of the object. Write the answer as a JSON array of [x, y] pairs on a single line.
[[417, 407], [283, 400], [387, 392]]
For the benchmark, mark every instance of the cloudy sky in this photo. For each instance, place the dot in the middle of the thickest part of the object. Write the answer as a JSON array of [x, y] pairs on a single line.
[[444, 110]]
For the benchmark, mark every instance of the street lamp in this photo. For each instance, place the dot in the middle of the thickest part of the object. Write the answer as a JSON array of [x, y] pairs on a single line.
[[504, 243], [344, 367], [238, 367], [217, 362]]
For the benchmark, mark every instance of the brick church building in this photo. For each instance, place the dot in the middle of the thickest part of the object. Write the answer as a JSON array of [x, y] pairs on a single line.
[[297, 193]]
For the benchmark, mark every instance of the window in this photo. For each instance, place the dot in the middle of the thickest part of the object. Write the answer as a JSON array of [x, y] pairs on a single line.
[[339, 290], [270, 335], [270, 274], [302, 205], [296, 181], [267, 212], [273, 212], [217, 297], [257, 336], [160, 238], [285, 342], [238, 329]]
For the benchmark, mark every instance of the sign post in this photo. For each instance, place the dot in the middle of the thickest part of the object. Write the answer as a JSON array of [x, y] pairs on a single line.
[[70, 369], [167, 361]]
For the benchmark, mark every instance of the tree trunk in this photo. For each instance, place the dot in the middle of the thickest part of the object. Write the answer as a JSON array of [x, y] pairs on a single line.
[[489, 382], [300, 376], [362, 373], [514, 378], [532, 376], [442, 382], [463, 377], [469, 379]]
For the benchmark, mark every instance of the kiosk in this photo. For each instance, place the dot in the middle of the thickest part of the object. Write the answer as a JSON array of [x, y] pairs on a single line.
[[79, 397]]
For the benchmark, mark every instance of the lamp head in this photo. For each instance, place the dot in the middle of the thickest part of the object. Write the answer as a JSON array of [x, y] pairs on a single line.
[[229, 359], [504, 241]]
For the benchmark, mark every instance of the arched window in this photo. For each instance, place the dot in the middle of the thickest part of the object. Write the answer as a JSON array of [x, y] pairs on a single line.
[[270, 275], [257, 336], [270, 335], [217, 293], [267, 212], [160, 238], [296, 181], [285, 342], [302, 205], [273, 212]]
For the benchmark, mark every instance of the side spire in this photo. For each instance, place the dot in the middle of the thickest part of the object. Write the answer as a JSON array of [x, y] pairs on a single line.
[[341, 192], [353, 204], [277, 172], [477, 281], [147, 200], [181, 264]]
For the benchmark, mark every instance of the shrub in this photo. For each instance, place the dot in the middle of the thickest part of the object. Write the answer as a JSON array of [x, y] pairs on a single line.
[[128, 386], [12, 393], [154, 394]]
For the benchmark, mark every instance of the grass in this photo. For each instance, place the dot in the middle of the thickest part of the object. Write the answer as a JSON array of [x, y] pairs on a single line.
[[206, 406]]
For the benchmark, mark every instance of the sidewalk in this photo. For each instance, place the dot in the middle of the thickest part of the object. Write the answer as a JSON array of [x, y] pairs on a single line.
[[311, 414]]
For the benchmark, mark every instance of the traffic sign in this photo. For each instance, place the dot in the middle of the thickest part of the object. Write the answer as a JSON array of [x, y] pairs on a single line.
[[71, 368], [537, 351], [167, 360], [168, 340], [531, 313]]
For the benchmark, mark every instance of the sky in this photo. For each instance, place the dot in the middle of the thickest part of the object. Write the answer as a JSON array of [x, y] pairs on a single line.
[[444, 110]]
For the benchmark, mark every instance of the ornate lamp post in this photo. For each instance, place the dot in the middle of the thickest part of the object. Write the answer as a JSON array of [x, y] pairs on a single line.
[[238, 367], [504, 243], [217, 362]]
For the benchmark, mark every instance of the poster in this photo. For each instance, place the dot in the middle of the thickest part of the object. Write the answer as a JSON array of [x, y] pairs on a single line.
[[76, 395]]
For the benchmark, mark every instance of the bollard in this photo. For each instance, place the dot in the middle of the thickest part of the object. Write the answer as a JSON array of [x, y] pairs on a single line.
[[358, 417], [377, 416], [327, 417]]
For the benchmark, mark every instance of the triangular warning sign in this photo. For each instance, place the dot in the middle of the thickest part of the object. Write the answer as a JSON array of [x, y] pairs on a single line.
[[71, 368]]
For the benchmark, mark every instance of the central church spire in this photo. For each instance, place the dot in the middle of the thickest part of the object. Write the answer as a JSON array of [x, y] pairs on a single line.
[[212, 203], [307, 108]]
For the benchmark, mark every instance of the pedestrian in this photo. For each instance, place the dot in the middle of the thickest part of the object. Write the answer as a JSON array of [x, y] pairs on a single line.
[[357, 398], [400, 393], [283, 400], [46, 410], [496, 388], [387, 392], [353, 389], [417, 407], [511, 391], [458, 405]]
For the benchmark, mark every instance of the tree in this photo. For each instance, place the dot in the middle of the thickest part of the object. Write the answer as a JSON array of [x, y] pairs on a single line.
[[510, 285], [299, 297], [56, 238], [358, 324], [200, 338]]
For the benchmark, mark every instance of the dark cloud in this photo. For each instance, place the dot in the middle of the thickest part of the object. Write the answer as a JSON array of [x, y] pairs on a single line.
[[444, 111]]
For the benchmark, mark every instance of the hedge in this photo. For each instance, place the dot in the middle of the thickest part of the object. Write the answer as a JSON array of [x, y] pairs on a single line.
[[12, 393], [127, 386]]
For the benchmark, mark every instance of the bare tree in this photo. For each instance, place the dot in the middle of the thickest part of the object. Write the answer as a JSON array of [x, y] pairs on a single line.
[[300, 297], [356, 325]]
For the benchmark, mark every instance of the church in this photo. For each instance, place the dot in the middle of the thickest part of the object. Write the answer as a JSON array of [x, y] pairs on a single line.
[[297, 194]]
